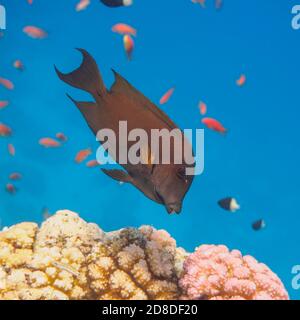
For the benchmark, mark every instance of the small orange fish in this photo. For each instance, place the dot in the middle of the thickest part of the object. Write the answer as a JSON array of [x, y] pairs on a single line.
[[10, 188], [49, 143], [15, 176], [202, 108], [214, 124], [241, 81], [3, 104], [30, 1], [128, 45], [92, 164], [166, 97], [82, 5], [5, 131], [60, 136], [11, 149], [82, 155], [18, 64], [35, 32], [123, 28], [7, 83]]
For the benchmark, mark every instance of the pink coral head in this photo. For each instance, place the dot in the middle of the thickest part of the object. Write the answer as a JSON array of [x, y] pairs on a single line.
[[216, 273]]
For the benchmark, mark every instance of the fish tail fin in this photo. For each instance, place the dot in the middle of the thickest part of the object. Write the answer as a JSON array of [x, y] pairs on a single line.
[[87, 77]]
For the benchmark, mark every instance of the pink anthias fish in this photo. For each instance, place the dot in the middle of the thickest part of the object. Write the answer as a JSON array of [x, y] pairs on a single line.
[[10, 188], [18, 64], [15, 176], [30, 1], [82, 5], [3, 104], [7, 83], [202, 108], [241, 80], [5, 131], [218, 4], [92, 164], [166, 97], [214, 124], [201, 2], [49, 143], [60, 136], [11, 149], [128, 45], [35, 32], [82, 155], [123, 28]]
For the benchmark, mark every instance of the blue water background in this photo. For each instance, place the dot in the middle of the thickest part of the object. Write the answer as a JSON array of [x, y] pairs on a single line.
[[200, 51]]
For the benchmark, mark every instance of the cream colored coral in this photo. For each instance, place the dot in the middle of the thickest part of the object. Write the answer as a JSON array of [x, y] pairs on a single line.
[[68, 258], [47, 263], [16, 244]]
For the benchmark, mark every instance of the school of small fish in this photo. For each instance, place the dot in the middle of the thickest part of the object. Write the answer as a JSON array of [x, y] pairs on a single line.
[[127, 32]]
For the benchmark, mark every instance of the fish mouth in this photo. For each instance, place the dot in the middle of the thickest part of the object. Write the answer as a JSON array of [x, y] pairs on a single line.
[[173, 208], [170, 207]]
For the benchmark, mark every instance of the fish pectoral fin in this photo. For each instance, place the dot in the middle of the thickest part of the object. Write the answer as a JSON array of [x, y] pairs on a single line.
[[147, 156], [118, 175]]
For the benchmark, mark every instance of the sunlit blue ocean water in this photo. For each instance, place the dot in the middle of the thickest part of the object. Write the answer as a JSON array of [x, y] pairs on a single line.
[[201, 52]]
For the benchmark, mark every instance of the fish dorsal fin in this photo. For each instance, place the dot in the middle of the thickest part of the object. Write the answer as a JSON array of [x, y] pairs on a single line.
[[121, 85]]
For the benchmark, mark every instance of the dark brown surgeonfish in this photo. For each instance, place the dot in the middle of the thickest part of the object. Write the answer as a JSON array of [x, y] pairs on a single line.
[[163, 183]]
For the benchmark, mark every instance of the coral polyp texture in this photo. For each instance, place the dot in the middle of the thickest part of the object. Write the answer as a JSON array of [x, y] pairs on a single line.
[[215, 273], [68, 258]]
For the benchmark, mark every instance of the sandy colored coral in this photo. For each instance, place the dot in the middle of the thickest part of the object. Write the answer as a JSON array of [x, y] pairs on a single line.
[[135, 264], [215, 273], [68, 258]]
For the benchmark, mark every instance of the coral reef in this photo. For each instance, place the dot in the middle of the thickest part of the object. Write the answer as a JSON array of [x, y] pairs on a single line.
[[68, 258], [215, 273]]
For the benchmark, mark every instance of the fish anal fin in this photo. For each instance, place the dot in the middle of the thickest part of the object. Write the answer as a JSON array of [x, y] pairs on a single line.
[[118, 175]]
